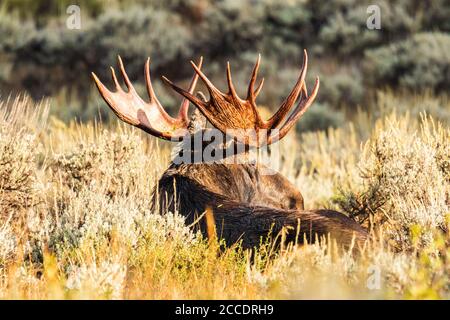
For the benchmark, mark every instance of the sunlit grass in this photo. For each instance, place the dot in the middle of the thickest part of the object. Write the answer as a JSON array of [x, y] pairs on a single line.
[[75, 221]]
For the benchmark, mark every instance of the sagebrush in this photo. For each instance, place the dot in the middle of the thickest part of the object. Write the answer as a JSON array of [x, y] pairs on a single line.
[[75, 219]]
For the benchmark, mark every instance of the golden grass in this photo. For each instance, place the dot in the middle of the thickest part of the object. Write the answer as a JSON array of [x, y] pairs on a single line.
[[75, 220]]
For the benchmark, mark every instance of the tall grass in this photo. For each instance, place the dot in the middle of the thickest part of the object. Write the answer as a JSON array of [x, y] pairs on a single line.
[[75, 219]]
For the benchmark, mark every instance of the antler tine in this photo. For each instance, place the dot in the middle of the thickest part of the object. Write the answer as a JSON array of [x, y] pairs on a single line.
[[258, 89], [305, 91], [107, 96], [125, 75], [114, 78], [209, 109], [196, 101], [148, 83], [287, 104], [209, 85], [304, 103], [230, 83], [298, 112], [151, 92], [183, 113], [232, 89], [251, 93]]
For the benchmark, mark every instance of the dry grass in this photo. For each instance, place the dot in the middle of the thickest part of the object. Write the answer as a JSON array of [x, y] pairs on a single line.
[[75, 219]]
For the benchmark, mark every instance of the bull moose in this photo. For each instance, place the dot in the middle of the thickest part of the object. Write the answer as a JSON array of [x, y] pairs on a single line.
[[247, 204]]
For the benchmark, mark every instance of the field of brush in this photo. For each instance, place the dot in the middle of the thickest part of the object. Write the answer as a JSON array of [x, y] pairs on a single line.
[[75, 223]]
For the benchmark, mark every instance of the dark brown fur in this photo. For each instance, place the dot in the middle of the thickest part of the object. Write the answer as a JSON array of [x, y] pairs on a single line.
[[247, 205]]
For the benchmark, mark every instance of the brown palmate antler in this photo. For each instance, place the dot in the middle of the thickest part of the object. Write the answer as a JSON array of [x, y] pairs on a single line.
[[148, 116], [227, 111]]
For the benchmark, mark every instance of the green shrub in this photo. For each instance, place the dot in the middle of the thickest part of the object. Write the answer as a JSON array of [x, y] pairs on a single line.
[[14, 32], [417, 63], [21, 192], [112, 166], [139, 33], [18, 159], [40, 55], [404, 181], [288, 27], [320, 117], [343, 88], [230, 27], [435, 14], [346, 32], [55, 57], [42, 10]]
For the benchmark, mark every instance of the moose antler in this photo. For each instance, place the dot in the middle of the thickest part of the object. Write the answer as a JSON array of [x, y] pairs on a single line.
[[148, 116], [228, 111]]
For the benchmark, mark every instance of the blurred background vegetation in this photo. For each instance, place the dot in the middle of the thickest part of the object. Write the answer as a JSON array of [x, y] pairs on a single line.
[[411, 52]]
